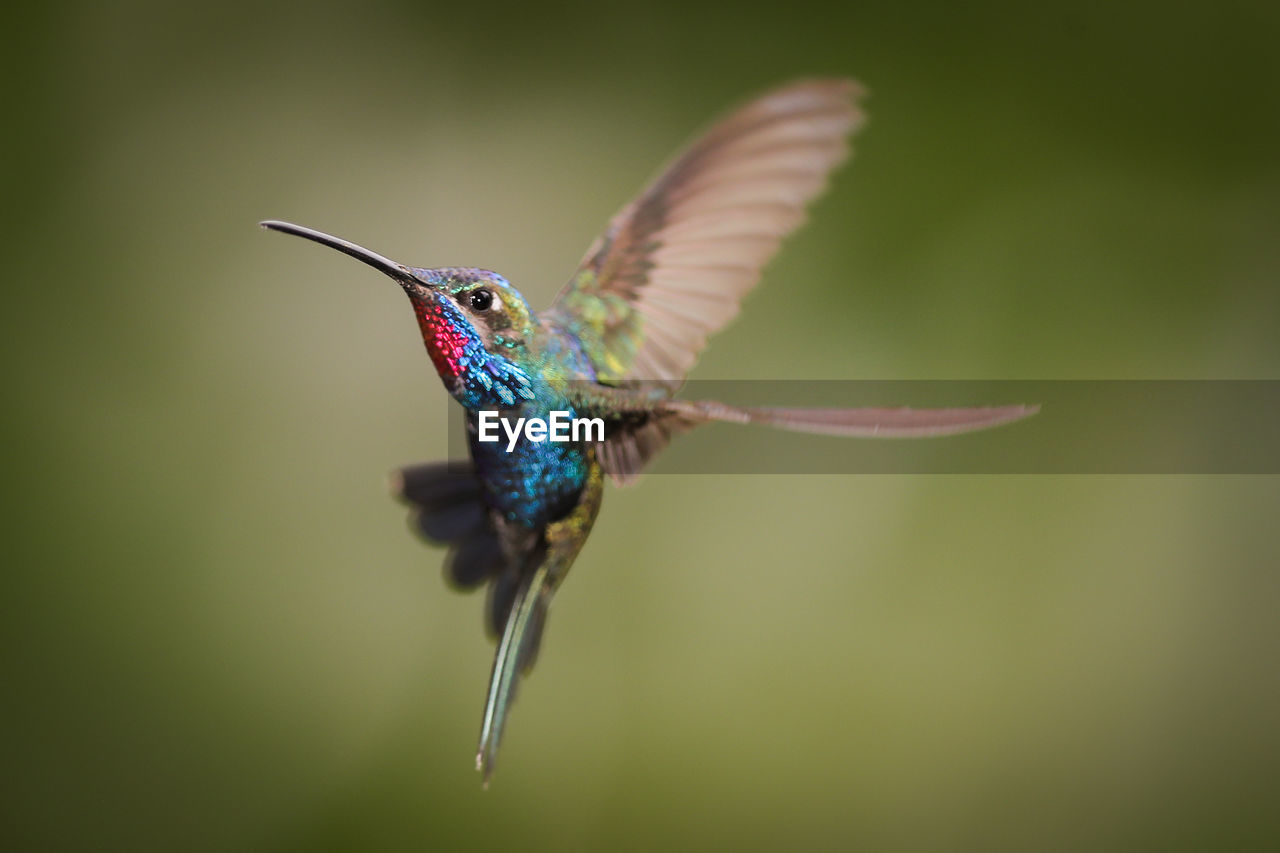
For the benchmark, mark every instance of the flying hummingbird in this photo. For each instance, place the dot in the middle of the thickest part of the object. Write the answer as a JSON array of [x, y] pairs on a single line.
[[670, 269]]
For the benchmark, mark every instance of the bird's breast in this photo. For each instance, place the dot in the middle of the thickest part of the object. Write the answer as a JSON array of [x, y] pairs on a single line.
[[530, 483]]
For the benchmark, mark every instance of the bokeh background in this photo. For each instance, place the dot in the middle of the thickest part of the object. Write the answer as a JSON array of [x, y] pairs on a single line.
[[217, 634]]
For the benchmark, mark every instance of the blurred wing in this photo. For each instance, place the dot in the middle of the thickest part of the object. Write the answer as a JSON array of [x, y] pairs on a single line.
[[631, 445], [673, 266], [860, 423]]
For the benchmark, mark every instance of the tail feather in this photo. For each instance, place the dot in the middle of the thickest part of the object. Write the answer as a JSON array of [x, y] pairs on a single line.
[[474, 560], [500, 601], [453, 523], [445, 497], [436, 484], [447, 509], [523, 618], [516, 651]]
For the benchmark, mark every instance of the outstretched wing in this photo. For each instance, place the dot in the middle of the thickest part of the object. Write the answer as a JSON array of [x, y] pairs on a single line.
[[631, 447], [673, 265]]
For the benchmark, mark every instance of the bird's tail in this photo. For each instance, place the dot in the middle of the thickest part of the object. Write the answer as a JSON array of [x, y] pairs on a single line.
[[516, 649], [526, 614]]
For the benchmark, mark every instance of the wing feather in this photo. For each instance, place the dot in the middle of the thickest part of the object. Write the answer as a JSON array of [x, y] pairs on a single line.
[[672, 267]]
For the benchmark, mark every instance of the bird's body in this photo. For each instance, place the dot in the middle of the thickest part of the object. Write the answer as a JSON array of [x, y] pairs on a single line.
[[670, 269]]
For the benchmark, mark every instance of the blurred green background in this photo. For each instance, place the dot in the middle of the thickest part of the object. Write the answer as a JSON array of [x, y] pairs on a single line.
[[218, 635]]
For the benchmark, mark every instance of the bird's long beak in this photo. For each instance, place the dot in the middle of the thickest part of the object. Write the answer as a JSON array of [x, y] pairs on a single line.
[[399, 272]]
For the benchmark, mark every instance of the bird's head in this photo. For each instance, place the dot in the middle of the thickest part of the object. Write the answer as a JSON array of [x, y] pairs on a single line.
[[474, 323]]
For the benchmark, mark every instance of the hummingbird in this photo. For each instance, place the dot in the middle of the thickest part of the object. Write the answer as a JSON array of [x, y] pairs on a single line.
[[670, 269]]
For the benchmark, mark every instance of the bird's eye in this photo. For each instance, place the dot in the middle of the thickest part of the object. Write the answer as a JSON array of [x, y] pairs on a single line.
[[480, 300]]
